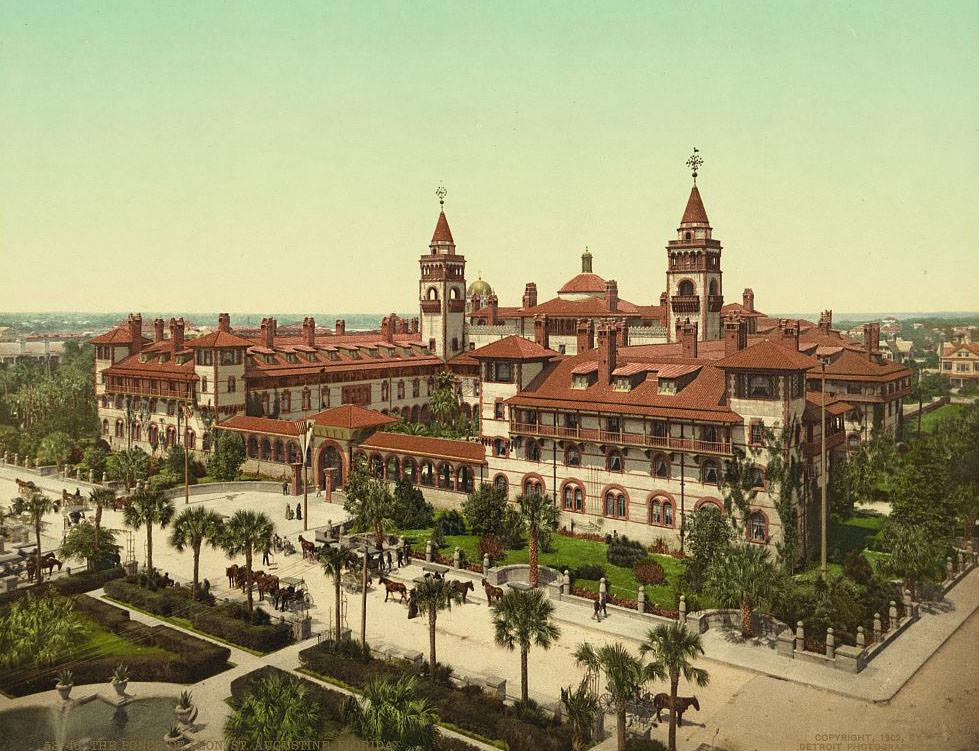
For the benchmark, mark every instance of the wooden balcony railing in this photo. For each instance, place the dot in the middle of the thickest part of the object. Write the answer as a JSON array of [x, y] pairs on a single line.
[[685, 303], [139, 390], [622, 438]]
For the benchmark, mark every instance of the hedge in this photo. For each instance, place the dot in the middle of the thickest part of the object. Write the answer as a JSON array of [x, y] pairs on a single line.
[[216, 620], [468, 708], [189, 660], [75, 584]]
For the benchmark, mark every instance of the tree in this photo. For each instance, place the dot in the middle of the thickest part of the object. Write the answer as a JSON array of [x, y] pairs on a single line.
[[192, 528], [522, 619], [739, 487], [55, 448], [484, 510], [35, 505], [582, 709], [100, 498], [444, 402], [276, 712], [410, 509], [147, 507], [175, 461], [708, 536], [541, 517], [128, 466], [784, 475], [624, 676], [369, 502], [915, 554], [864, 476], [97, 548], [673, 649], [432, 595], [39, 630], [336, 558], [390, 714], [246, 531], [93, 458], [228, 456], [742, 578]]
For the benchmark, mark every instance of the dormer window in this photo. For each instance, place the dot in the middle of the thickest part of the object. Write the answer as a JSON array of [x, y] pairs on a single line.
[[291, 357], [333, 355], [761, 387], [164, 358]]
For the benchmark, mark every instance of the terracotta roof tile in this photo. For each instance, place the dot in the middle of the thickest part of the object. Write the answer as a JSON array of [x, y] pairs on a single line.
[[513, 348], [853, 364], [584, 283], [352, 417], [434, 448], [442, 232], [117, 335], [220, 339], [260, 425], [695, 213], [767, 355]]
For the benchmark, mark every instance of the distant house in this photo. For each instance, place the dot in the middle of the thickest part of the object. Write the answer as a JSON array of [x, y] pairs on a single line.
[[34, 347], [960, 362], [898, 350]]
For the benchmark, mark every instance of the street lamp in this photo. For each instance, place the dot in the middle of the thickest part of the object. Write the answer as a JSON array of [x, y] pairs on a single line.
[[305, 427], [188, 411], [824, 473]]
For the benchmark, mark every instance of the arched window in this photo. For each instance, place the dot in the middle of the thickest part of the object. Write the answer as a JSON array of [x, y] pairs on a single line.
[[252, 447], [533, 451], [614, 462], [432, 294], [713, 287], [204, 385], [453, 293], [573, 497], [279, 451], [499, 447], [307, 399], [401, 389], [385, 391], [500, 482], [292, 452], [105, 427], [708, 472], [661, 466], [661, 511], [393, 468], [757, 527], [533, 485], [286, 401], [191, 437], [709, 434], [232, 384], [377, 465], [171, 436], [572, 456], [464, 479], [137, 432], [616, 503], [266, 449], [153, 434], [685, 288], [411, 470], [428, 474], [757, 477], [415, 388], [710, 505]]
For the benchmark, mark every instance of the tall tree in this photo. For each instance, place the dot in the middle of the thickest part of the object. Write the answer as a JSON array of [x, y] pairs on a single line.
[[444, 402], [582, 709], [391, 713], [128, 466], [431, 596], [369, 502], [540, 516], [276, 712], [672, 650], [784, 475], [192, 528], [148, 506], [246, 531], [97, 548], [35, 505], [624, 675], [100, 498], [742, 578], [335, 559], [915, 554], [523, 618]]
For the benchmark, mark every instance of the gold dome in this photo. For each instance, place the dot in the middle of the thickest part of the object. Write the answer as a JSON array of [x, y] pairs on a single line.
[[479, 288]]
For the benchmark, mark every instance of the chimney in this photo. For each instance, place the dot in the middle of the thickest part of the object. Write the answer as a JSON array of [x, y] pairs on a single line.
[[414, 325], [622, 333], [748, 300], [612, 295], [606, 353], [688, 339], [341, 327], [159, 326], [662, 299], [493, 311], [176, 335], [474, 303], [224, 322], [541, 334], [871, 337], [825, 321], [388, 324], [586, 336], [530, 295], [309, 332], [135, 332], [402, 326], [735, 335], [790, 335], [268, 332]]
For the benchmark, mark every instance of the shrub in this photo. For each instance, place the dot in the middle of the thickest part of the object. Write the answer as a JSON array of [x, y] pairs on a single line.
[[484, 510], [75, 584], [411, 510], [636, 743], [451, 523], [857, 567], [490, 545], [625, 552], [591, 571], [649, 572], [513, 528]]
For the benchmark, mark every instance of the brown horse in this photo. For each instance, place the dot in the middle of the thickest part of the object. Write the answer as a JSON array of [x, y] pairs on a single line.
[[309, 549], [393, 587], [493, 594], [232, 572], [48, 562], [268, 584], [462, 588], [683, 703]]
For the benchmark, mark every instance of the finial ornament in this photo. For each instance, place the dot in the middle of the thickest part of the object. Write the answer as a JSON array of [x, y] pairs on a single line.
[[694, 163], [440, 193]]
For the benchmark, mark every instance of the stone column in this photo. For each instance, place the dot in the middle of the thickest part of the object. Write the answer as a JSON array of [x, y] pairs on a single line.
[[457, 558], [91, 476], [486, 563], [428, 551], [641, 599], [961, 561], [566, 586], [907, 603], [830, 644], [892, 613], [949, 568], [800, 637], [683, 610], [861, 638], [878, 627]]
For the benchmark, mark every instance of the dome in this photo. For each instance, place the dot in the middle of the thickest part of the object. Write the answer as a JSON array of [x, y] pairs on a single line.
[[479, 288]]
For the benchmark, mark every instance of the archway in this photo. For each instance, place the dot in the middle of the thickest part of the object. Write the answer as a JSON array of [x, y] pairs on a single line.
[[331, 465]]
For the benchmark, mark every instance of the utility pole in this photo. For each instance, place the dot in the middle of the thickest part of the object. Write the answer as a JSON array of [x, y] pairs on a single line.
[[363, 601], [823, 471], [188, 411], [304, 427]]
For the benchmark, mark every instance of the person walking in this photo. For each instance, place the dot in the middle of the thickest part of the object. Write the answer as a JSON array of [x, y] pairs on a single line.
[[597, 612], [265, 555], [299, 511], [285, 488], [390, 565]]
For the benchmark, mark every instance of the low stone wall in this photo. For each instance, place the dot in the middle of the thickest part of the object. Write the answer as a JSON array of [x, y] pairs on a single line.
[[520, 572], [258, 486], [763, 624]]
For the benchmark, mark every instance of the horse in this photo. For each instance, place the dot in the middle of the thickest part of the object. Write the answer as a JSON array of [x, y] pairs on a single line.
[[493, 594], [462, 588], [394, 587], [309, 549], [267, 585], [232, 573], [22, 486], [683, 703], [48, 562]]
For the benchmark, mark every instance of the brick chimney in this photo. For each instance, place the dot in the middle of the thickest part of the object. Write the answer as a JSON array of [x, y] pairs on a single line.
[[159, 326], [541, 334], [662, 299], [176, 335], [871, 337], [688, 339], [340, 327], [414, 325], [622, 333], [748, 299], [492, 311], [790, 335], [268, 332], [309, 332], [586, 335], [224, 322], [474, 303], [606, 353], [825, 321], [402, 325], [135, 332], [612, 295], [735, 335], [530, 295]]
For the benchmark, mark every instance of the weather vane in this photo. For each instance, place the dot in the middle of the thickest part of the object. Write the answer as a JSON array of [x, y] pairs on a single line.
[[440, 193], [694, 163]]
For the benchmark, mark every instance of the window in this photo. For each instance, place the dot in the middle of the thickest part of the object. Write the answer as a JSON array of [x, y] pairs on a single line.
[[760, 387], [757, 477], [500, 372], [685, 288], [232, 385], [612, 424], [308, 399], [499, 410], [532, 485], [499, 447], [120, 428], [286, 401], [416, 388], [455, 344], [500, 483], [105, 427], [570, 420], [659, 429], [430, 385], [708, 434], [533, 451], [616, 505], [385, 391], [757, 527], [661, 511], [572, 457], [573, 497], [614, 462], [661, 466], [757, 434], [190, 439], [401, 389], [708, 473], [204, 385]]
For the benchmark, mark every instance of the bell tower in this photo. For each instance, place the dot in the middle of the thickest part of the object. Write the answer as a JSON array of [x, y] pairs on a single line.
[[693, 272], [442, 291]]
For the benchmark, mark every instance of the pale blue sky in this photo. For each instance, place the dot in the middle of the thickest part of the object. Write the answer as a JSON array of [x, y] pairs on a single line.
[[283, 155]]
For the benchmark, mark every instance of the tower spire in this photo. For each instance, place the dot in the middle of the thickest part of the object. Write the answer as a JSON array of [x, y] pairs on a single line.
[[694, 163]]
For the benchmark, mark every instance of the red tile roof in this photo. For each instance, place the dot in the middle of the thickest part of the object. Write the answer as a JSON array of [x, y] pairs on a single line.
[[584, 283], [352, 417], [767, 355], [736, 307], [853, 366], [434, 448], [513, 348], [220, 339], [118, 335], [590, 306], [950, 349], [834, 405], [695, 213], [260, 425], [442, 232]]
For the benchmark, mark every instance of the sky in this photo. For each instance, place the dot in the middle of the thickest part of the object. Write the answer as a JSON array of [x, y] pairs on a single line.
[[283, 156]]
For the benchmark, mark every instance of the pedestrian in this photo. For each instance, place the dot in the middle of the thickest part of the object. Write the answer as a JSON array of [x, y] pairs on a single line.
[[390, 566], [299, 511], [603, 600], [596, 615], [288, 512], [265, 555], [398, 556], [285, 488]]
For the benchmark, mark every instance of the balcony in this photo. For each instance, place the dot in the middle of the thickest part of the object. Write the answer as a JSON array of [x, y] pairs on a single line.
[[181, 392], [715, 303], [833, 439], [431, 306], [622, 438], [457, 306], [685, 303]]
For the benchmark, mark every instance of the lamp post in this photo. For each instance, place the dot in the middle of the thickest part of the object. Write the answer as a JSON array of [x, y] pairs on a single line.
[[188, 411], [823, 471], [305, 427]]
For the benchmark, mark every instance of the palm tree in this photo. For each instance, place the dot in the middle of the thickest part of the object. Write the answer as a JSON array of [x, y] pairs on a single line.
[[540, 516], [35, 505], [369, 502], [100, 498], [192, 529], [673, 649], [522, 618], [624, 676], [336, 558], [742, 578], [391, 714], [431, 596], [245, 532], [39, 630], [444, 403], [276, 712], [582, 709], [148, 506]]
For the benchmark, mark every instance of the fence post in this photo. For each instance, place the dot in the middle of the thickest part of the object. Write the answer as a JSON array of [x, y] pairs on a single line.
[[830, 644], [486, 563], [949, 569], [428, 551], [800, 637], [641, 599], [567, 583], [91, 476], [892, 614], [683, 609], [861, 638], [961, 561], [457, 558], [907, 603], [878, 627]]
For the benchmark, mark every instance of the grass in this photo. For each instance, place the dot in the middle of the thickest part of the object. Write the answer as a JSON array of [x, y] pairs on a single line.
[[930, 420], [854, 534], [100, 642]]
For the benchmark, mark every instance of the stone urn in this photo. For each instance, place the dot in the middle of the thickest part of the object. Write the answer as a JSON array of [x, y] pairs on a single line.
[[184, 707], [174, 739], [120, 687], [119, 680], [63, 689]]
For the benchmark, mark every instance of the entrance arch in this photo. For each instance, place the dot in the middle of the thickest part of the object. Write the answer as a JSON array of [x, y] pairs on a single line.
[[330, 459]]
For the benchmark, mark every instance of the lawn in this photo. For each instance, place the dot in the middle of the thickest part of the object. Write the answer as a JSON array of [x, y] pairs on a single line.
[[856, 533], [100, 642], [929, 420]]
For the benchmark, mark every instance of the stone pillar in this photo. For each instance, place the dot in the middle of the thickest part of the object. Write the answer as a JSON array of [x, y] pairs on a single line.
[[64, 474], [91, 476], [457, 558], [683, 609], [878, 627], [428, 551], [892, 613], [641, 599], [800, 636], [830, 644], [961, 561], [486, 563], [566, 585], [907, 603], [949, 568], [861, 638]]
